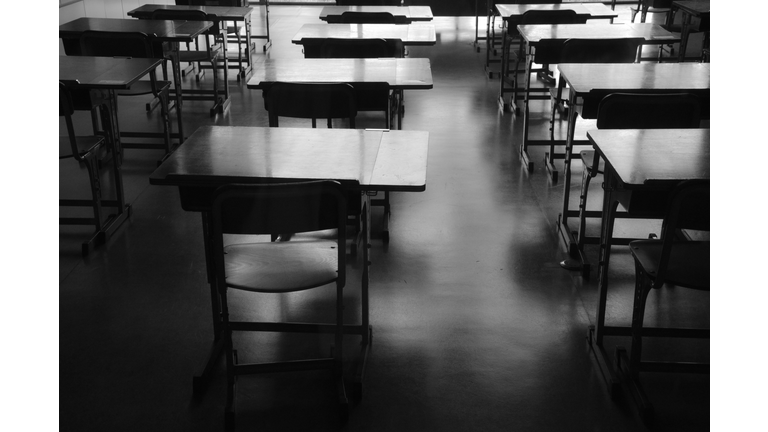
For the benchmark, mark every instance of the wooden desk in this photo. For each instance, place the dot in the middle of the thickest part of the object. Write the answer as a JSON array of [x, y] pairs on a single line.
[[166, 34], [542, 46], [512, 14], [641, 169], [217, 14], [106, 75], [690, 9], [589, 83], [362, 159], [410, 34], [408, 14], [400, 73]]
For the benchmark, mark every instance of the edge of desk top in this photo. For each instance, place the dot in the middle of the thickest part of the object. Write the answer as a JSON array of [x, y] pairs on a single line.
[[378, 159], [234, 13], [104, 72], [409, 73], [418, 33], [634, 154], [414, 13], [594, 10], [584, 78], [652, 33]]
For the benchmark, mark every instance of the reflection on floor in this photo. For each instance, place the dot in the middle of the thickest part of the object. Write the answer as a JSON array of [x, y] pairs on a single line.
[[476, 326]]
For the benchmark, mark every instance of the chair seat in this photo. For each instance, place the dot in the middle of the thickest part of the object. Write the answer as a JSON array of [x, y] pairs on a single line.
[[688, 263], [281, 266], [85, 145], [144, 87], [587, 157]]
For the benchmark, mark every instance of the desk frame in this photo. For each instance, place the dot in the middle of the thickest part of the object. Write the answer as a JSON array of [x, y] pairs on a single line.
[[195, 192], [107, 84], [618, 190], [575, 240], [636, 30]]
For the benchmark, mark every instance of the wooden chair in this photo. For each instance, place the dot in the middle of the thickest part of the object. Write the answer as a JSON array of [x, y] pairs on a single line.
[[135, 44], [87, 150], [210, 54], [533, 17], [313, 101], [310, 101], [370, 96], [621, 50], [644, 7], [235, 31], [670, 260], [635, 111], [269, 267]]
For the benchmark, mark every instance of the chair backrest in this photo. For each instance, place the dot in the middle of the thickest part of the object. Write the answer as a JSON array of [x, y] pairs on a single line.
[[358, 17], [273, 209], [657, 4], [687, 208], [354, 48], [115, 44], [649, 111], [186, 15], [621, 50], [564, 16], [311, 101]]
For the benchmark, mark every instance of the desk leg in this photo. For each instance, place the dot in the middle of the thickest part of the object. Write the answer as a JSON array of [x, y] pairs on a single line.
[[201, 380], [248, 52], [526, 110], [596, 332], [577, 260], [173, 56], [367, 330], [108, 113]]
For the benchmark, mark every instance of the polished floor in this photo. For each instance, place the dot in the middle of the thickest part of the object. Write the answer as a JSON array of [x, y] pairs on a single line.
[[475, 324]]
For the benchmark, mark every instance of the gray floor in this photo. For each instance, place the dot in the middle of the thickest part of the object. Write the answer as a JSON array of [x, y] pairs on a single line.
[[476, 326]]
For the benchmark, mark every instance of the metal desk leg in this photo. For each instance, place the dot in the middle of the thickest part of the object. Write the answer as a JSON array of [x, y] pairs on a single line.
[[201, 380], [596, 332], [526, 112], [366, 328], [577, 260]]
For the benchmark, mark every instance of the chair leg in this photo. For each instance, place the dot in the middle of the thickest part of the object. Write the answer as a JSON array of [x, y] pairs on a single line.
[[229, 410], [215, 71], [95, 180], [642, 288]]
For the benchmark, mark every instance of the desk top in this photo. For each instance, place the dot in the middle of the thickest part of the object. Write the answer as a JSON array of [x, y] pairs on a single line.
[[215, 13], [411, 13], [653, 158], [693, 7], [615, 77], [159, 29], [652, 33], [377, 160], [513, 12], [410, 34], [403, 73], [104, 72]]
